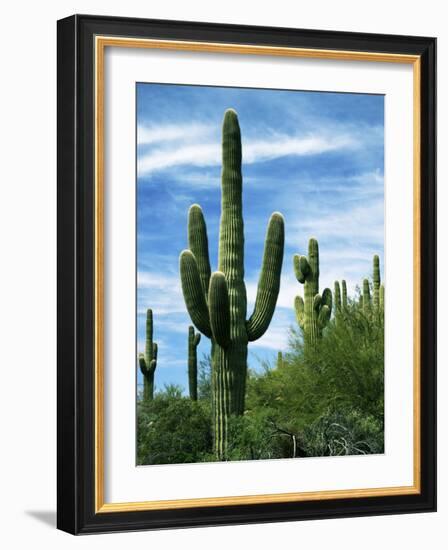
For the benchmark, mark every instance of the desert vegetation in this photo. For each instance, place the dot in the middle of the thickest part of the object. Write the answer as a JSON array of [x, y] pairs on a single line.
[[323, 396]]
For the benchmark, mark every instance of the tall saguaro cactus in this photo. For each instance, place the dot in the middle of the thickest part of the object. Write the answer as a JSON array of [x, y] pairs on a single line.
[[314, 310], [148, 360], [193, 342], [217, 303]]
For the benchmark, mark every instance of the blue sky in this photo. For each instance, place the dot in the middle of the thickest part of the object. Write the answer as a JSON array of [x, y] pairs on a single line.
[[316, 157]]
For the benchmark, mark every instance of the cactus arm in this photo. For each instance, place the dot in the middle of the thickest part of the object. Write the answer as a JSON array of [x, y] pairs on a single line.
[[269, 282], [198, 244], [299, 308], [327, 298], [197, 339], [153, 364], [324, 316], [219, 307], [142, 363], [155, 351], [317, 302], [192, 291], [301, 267]]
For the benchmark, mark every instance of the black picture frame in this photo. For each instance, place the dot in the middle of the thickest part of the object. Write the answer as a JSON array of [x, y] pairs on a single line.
[[76, 254]]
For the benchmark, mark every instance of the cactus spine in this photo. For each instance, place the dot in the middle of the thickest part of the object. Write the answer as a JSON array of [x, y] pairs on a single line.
[[148, 360], [193, 342], [217, 303], [313, 311]]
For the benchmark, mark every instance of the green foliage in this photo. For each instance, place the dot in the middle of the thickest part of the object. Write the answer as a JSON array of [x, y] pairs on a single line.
[[217, 302], [333, 389], [205, 378], [323, 401], [148, 360], [344, 432], [173, 429]]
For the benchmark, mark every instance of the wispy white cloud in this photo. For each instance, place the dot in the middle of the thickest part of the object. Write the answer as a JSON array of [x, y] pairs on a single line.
[[194, 148], [147, 135]]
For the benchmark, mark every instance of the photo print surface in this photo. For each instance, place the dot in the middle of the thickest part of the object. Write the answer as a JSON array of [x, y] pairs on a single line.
[[260, 276]]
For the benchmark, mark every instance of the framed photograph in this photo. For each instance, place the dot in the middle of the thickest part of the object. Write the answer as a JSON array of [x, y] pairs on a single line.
[[246, 274]]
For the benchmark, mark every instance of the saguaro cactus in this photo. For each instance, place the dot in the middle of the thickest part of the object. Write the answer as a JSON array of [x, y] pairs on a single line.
[[366, 299], [377, 302], [376, 283], [193, 342], [217, 303], [344, 295], [148, 360], [314, 311], [280, 360], [337, 303], [340, 299]]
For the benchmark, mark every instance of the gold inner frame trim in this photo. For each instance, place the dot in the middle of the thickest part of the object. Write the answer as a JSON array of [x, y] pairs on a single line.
[[101, 42]]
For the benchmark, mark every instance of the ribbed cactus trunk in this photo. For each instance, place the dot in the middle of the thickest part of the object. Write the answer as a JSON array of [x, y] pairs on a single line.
[[233, 362], [193, 342], [366, 300], [337, 300], [340, 299], [344, 295], [217, 304], [148, 360], [313, 311], [376, 282]]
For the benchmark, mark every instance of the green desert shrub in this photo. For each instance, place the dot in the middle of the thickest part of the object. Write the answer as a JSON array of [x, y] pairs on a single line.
[[173, 429], [343, 432], [322, 392], [323, 400]]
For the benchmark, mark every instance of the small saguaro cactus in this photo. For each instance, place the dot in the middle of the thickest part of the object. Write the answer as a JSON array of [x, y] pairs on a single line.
[[366, 300], [279, 360], [344, 295], [193, 342], [217, 302], [377, 302], [314, 310], [337, 299], [148, 360], [339, 302]]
